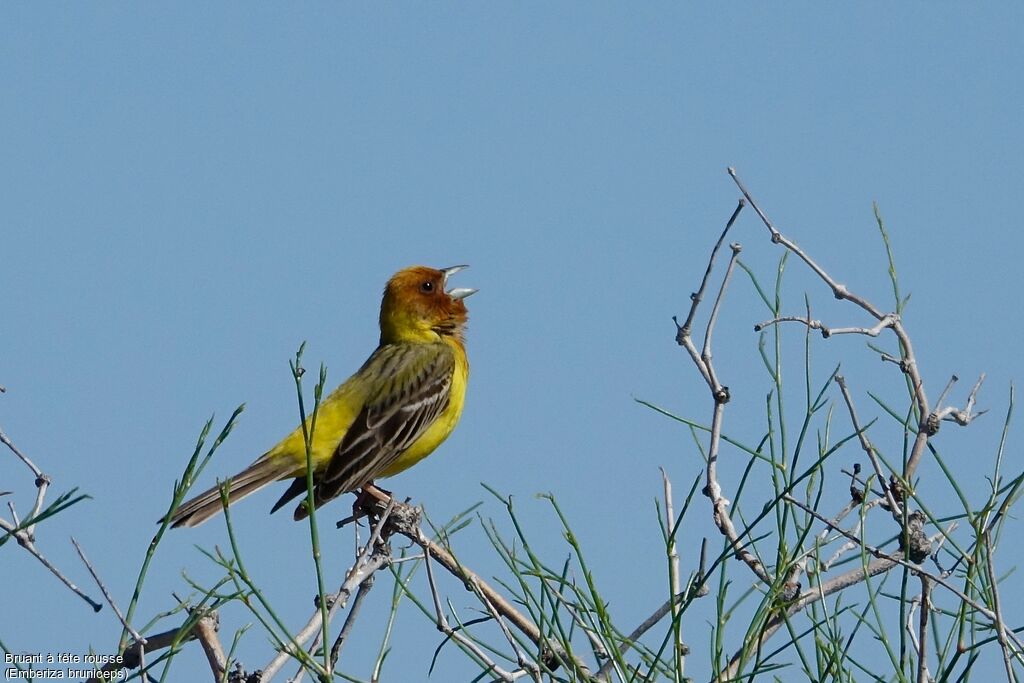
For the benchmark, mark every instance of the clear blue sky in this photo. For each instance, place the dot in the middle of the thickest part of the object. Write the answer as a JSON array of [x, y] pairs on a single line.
[[189, 193]]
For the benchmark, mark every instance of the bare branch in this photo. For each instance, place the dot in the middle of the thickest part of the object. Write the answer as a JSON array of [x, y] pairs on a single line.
[[908, 361], [901, 363], [705, 353], [951, 413], [405, 522], [5, 440], [697, 296], [674, 583], [683, 338], [949, 385], [595, 641], [106, 594], [916, 568], [894, 507], [42, 482], [205, 632], [720, 394], [816, 594], [841, 582], [886, 322], [23, 539], [350, 620], [849, 545], [525, 664], [1001, 630], [134, 654], [840, 291], [375, 555], [456, 635], [922, 634]]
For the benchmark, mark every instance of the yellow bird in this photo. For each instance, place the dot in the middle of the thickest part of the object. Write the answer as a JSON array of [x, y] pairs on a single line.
[[394, 411]]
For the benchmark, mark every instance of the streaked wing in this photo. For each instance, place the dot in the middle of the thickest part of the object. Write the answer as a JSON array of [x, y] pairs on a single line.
[[414, 392]]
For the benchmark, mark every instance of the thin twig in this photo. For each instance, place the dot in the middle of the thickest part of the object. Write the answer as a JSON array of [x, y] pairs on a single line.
[[350, 619], [908, 360], [696, 587], [826, 332], [705, 353], [383, 651], [961, 417], [949, 385], [42, 482], [840, 291], [456, 635], [372, 557], [600, 651], [22, 537], [916, 568], [673, 573], [886, 358], [106, 594], [815, 594], [405, 523], [5, 440], [922, 637], [720, 394], [849, 545], [683, 337], [865, 443], [525, 664], [697, 296], [1001, 631]]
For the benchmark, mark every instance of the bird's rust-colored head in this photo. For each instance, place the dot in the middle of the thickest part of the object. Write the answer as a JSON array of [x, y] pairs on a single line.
[[416, 306]]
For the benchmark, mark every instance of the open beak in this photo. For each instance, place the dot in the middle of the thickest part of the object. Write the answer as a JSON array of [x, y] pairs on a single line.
[[460, 292]]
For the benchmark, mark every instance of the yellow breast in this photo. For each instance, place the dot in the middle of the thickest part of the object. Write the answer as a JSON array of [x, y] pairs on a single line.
[[446, 421]]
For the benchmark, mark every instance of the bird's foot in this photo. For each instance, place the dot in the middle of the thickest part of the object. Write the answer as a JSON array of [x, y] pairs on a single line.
[[377, 503], [371, 501]]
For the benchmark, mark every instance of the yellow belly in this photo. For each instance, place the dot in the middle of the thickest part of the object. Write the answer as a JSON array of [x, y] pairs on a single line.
[[442, 427], [336, 414]]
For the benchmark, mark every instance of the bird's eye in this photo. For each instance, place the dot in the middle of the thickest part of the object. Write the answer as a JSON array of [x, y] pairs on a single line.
[[427, 287]]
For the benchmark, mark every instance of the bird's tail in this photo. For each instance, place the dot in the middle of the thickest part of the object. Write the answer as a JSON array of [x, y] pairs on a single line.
[[207, 504]]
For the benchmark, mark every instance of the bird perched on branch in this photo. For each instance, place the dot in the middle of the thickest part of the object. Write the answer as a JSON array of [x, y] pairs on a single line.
[[393, 412]]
